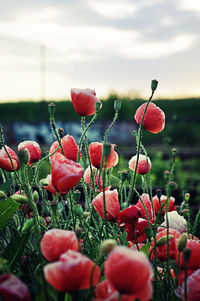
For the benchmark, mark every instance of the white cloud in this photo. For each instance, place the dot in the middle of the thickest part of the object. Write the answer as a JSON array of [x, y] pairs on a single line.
[[193, 5]]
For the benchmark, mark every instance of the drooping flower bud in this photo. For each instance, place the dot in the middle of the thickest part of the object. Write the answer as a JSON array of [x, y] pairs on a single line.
[[117, 105], [182, 242], [163, 240], [107, 246], [23, 156], [78, 210], [154, 84], [52, 109]]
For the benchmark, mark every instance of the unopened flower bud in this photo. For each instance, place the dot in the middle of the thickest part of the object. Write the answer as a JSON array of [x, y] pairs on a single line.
[[86, 214], [163, 240], [2, 195], [23, 156], [154, 84], [52, 109], [28, 224], [35, 196], [172, 186], [60, 132], [77, 195], [174, 151], [19, 198], [187, 197], [182, 242], [159, 193], [128, 176], [123, 175], [97, 106], [167, 174], [78, 210], [107, 246], [117, 105], [78, 232], [186, 254], [106, 149]]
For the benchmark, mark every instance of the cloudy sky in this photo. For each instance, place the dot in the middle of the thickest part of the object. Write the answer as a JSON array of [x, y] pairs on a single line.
[[107, 45]]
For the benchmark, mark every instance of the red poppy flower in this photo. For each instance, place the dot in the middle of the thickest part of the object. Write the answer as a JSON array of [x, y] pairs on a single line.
[[154, 119], [161, 251], [146, 200], [194, 261], [142, 167], [5, 162], [72, 272], [56, 242], [33, 149], [123, 270], [11, 288], [105, 291], [65, 173], [84, 101], [112, 205], [193, 287], [157, 205], [95, 153], [69, 146]]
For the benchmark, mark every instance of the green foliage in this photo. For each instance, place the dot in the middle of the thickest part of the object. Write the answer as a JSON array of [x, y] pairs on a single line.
[[7, 210]]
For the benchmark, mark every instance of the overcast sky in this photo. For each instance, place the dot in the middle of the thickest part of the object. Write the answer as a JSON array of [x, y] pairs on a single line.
[[104, 45]]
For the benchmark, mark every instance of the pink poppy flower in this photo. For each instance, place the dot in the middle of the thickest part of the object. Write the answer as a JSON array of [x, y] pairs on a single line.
[[161, 251], [50, 186], [65, 173], [69, 146], [12, 288], [95, 153], [157, 204], [5, 162], [194, 261], [146, 200], [72, 272], [193, 287], [142, 167], [154, 119], [112, 205], [84, 101], [56, 242], [88, 179], [33, 148], [123, 270]]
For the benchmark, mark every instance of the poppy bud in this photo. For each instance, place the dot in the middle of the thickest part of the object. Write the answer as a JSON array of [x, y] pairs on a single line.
[[167, 174], [117, 105], [174, 151], [78, 232], [186, 254], [19, 198], [123, 175], [172, 186], [187, 197], [35, 196], [159, 193], [107, 246], [77, 195], [28, 224], [52, 109], [78, 210], [154, 84], [163, 240], [182, 242], [60, 132]]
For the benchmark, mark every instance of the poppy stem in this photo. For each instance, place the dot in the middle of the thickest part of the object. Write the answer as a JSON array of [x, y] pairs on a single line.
[[138, 141]]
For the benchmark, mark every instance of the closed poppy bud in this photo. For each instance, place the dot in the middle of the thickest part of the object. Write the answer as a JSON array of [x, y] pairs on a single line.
[[154, 84], [33, 149], [142, 167], [5, 162], [12, 288], [182, 242], [163, 240], [84, 101], [70, 148], [23, 156], [107, 246], [123, 270], [72, 272], [78, 210], [19, 198], [112, 205], [65, 173], [154, 119], [117, 105], [56, 242], [95, 153]]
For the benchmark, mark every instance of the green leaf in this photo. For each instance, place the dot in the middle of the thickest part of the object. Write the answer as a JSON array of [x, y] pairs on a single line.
[[145, 249], [15, 248], [44, 169], [7, 210]]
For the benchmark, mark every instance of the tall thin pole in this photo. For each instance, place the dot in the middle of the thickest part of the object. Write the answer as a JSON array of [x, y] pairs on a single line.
[[42, 72]]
